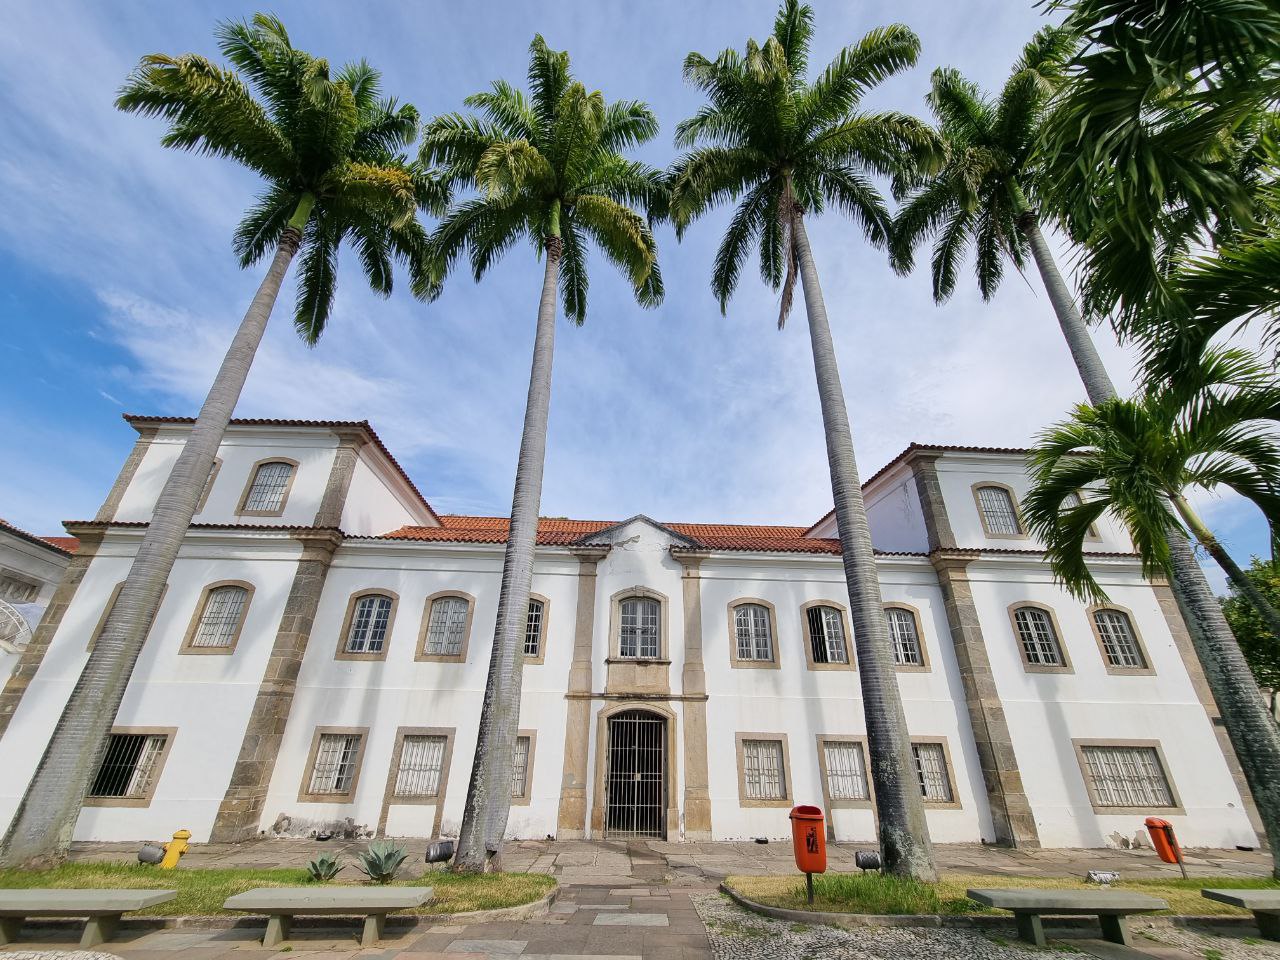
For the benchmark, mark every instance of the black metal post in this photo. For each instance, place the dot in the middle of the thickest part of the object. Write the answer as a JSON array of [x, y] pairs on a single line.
[[808, 882]]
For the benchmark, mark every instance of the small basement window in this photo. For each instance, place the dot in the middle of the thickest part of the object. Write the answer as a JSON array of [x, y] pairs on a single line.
[[130, 767]]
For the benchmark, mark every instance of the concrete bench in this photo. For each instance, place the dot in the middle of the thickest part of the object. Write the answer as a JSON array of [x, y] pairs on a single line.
[[1029, 905], [102, 907], [282, 904], [1265, 905]]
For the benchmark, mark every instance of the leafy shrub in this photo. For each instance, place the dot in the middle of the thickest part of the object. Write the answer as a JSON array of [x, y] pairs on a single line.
[[324, 867], [381, 861]]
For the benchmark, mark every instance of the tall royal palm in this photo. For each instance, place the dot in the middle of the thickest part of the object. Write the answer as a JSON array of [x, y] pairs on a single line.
[[328, 148], [789, 149], [986, 195], [547, 167]]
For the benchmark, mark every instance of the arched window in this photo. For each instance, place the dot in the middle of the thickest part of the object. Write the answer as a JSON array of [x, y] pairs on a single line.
[[999, 513], [269, 488], [533, 629], [905, 632], [447, 625], [1119, 641], [1037, 638], [221, 617], [753, 632], [640, 632], [370, 623], [827, 642]]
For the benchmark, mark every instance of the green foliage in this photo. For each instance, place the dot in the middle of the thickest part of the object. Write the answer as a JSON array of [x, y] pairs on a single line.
[[1261, 648], [324, 867], [328, 140], [779, 145], [381, 861], [548, 164]]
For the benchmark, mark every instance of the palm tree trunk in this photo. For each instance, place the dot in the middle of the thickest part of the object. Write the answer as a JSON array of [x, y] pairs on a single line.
[[42, 827], [904, 834], [484, 819]]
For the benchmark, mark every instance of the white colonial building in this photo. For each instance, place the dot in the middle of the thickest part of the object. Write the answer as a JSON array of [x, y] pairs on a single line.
[[319, 658], [31, 568]]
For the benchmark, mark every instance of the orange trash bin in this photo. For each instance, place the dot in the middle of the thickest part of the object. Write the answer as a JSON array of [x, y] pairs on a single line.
[[1165, 841], [809, 838]]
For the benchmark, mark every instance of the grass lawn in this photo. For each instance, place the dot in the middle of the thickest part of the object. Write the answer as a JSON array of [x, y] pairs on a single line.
[[202, 892], [873, 893]]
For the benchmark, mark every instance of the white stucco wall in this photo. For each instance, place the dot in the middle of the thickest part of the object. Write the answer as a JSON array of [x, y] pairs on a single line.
[[373, 507], [894, 514]]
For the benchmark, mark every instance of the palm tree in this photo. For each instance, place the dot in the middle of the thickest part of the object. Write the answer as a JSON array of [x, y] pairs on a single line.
[[328, 149], [1134, 459], [548, 167], [789, 147], [987, 192]]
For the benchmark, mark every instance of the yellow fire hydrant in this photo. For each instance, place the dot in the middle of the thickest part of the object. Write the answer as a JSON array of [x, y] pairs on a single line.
[[174, 849]]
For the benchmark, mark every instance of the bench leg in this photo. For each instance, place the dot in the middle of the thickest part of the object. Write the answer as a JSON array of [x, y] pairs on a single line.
[[1115, 928], [9, 927], [99, 929], [1030, 928], [1268, 925], [373, 926], [277, 929]]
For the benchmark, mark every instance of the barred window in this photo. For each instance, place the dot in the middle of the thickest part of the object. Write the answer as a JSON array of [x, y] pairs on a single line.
[[447, 626], [270, 484], [1040, 646], [906, 637], [753, 632], [826, 635], [846, 770], [640, 631], [1119, 642], [130, 766], [931, 768], [1127, 777], [998, 511], [221, 617], [533, 630], [421, 764], [335, 764], [369, 621], [520, 768], [762, 774]]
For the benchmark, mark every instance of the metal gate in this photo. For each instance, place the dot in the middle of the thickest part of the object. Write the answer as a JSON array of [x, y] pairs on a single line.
[[636, 783]]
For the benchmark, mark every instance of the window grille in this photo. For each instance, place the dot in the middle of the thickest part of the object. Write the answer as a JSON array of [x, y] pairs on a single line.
[[931, 768], [826, 635], [369, 623], [1040, 644], [335, 766], [269, 486], [762, 770], [906, 637], [421, 763], [846, 770], [1128, 777], [998, 511], [754, 635], [520, 768], [1119, 642], [220, 619], [447, 627], [130, 766], [533, 630], [639, 636]]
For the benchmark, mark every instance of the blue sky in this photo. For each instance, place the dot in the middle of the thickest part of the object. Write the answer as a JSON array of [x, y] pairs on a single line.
[[118, 290]]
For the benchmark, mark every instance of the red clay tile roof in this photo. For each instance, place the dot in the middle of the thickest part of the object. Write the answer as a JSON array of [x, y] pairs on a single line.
[[66, 545]]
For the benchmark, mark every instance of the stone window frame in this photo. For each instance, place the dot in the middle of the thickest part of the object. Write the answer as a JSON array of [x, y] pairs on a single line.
[[850, 653], [1017, 510], [786, 800], [615, 625], [111, 603], [304, 789], [248, 487], [774, 663], [170, 734], [208, 486], [925, 665], [420, 651], [542, 636], [189, 637], [1146, 671], [525, 800], [1078, 744], [954, 803], [342, 653], [446, 762], [1027, 666], [828, 801]]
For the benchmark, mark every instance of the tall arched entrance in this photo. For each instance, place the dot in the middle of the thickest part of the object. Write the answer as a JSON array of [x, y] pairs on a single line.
[[636, 775]]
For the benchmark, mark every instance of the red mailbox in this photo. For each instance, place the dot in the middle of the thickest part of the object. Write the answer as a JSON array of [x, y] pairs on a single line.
[[809, 838]]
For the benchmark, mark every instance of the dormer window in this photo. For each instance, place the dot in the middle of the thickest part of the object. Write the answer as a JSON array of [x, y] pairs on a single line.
[[640, 635], [999, 511], [268, 489]]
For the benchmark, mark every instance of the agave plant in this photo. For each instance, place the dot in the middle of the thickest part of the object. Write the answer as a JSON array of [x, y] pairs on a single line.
[[324, 867], [381, 862]]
